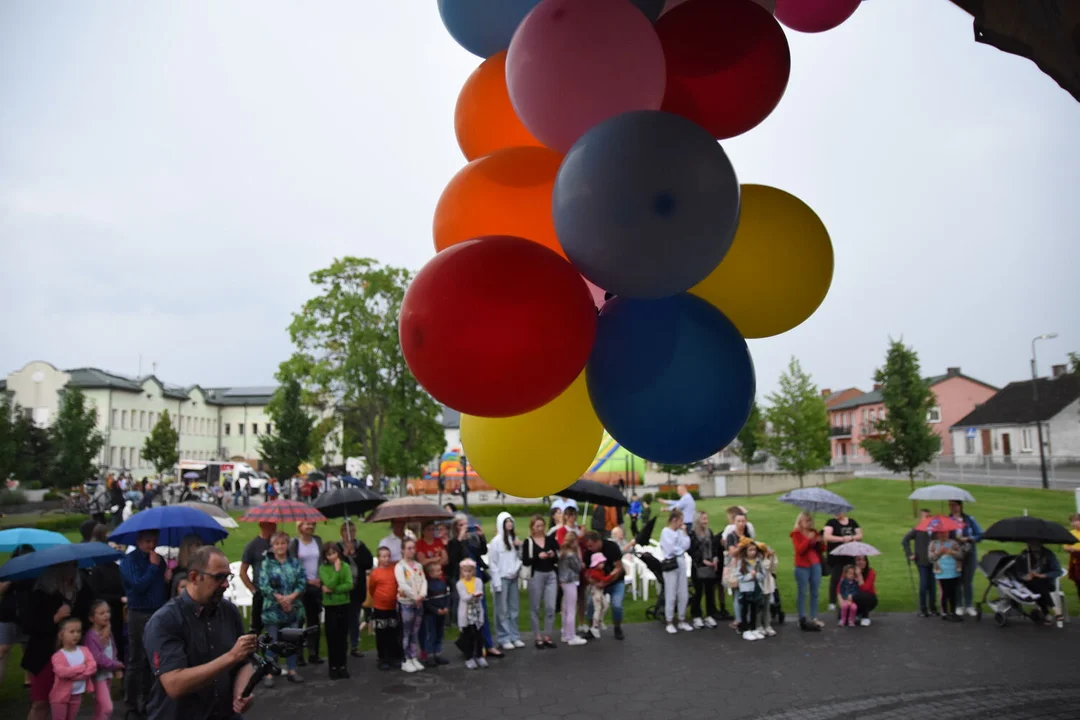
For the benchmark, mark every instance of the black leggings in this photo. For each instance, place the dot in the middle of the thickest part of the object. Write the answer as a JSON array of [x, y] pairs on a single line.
[[749, 603], [1044, 588], [864, 603], [337, 634], [708, 589], [312, 607], [949, 589], [387, 635]]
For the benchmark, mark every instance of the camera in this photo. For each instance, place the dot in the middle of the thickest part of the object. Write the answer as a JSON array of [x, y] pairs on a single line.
[[289, 642]]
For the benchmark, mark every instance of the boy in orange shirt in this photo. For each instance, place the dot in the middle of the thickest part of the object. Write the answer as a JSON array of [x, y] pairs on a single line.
[[384, 616]]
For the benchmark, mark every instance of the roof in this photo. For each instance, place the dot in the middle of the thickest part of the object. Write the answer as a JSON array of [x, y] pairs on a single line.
[[92, 378], [875, 397], [1015, 403], [253, 395], [450, 418]]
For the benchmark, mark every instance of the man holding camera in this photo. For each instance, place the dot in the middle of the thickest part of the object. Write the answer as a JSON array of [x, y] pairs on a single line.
[[197, 648]]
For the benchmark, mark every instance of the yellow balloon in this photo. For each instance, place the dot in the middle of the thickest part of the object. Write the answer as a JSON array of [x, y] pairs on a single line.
[[540, 452], [778, 269]]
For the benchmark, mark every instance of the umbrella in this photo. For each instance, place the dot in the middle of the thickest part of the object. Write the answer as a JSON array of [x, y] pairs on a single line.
[[33, 564], [942, 492], [37, 539], [221, 517], [172, 523], [939, 523], [409, 509], [283, 511], [350, 480], [642, 538], [854, 549], [817, 500], [347, 501], [192, 475], [1027, 529], [316, 475], [590, 491]]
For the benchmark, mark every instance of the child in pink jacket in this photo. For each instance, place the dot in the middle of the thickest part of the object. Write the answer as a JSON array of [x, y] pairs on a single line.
[[74, 668], [102, 647]]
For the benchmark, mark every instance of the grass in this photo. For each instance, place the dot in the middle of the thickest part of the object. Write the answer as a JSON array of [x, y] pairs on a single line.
[[881, 508]]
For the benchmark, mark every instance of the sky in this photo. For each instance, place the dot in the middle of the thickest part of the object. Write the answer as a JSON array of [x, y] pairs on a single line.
[[170, 174]]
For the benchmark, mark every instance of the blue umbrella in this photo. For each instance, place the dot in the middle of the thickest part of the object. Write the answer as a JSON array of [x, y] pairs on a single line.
[[817, 500], [37, 539], [34, 564], [172, 523]]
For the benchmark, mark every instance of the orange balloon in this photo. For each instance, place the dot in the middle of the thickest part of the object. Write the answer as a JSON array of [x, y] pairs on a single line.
[[484, 120], [505, 193]]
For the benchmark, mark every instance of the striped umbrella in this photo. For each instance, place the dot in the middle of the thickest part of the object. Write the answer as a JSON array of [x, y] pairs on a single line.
[[282, 511]]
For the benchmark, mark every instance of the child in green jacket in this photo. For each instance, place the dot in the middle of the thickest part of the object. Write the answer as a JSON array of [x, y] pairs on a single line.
[[337, 582]]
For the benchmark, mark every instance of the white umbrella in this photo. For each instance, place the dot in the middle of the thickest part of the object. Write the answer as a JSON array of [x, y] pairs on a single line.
[[942, 493], [854, 549]]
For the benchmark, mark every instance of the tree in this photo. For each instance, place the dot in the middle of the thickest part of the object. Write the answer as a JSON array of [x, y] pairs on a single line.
[[348, 354], [290, 444], [9, 441], [750, 440], [799, 437], [677, 470], [905, 440], [1074, 363], [76, 442], [160, 447]]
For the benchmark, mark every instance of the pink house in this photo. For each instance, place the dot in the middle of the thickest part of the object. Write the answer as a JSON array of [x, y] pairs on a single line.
[[853, 420]]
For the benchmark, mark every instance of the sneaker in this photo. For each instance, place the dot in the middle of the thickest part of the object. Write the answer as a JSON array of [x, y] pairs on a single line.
[[507, 646], [832, 606], [583, 629], [519, 644], [470, 664], [971, 611], [577, 641], [865, 622], [671, 629], [268, 682], [482, 662], [698, 623], [685, 626], [842, 623], [760, 634], [595, 632], [407, 666], [769, 632], [749, 635], [710, 623], [417, 665], [619, 633], [924, 614]]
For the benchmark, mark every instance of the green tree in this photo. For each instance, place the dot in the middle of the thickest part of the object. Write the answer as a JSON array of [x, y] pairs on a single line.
[[750, 440], [799, 424], [160, 447], [1074, 363], [905, 440], [34, 449], [290, 444], [347, 353], [677, 470], [76, 442], [9, 441]]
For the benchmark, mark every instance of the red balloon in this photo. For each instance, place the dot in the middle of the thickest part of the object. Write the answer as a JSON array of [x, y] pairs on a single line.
[[497, 326], [728, 64]]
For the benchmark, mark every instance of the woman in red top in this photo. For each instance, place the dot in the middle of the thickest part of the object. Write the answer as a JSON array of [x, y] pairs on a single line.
[[809, 547], [866, 598]]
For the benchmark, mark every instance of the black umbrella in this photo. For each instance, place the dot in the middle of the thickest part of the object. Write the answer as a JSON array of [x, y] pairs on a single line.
[[590, 491], [643, 537], [1026, 529], [348, 501]]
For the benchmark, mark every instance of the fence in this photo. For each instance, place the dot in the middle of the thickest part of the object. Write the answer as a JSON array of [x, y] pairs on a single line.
[[1062, 471]]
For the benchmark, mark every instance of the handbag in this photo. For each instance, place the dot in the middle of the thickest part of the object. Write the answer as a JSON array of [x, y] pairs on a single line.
[[706, 572], [669, 564], [526, 571]]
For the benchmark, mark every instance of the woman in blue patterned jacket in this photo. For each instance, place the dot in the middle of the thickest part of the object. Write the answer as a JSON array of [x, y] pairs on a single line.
[[282, 581]]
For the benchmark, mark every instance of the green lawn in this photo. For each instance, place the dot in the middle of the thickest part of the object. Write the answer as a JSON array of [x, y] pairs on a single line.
[[880, 508]]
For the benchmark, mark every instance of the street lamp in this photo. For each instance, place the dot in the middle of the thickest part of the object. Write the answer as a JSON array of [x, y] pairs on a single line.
[[1035, 396]]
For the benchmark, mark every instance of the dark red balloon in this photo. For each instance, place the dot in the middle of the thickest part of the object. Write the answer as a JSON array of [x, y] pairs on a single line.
[[728, 64], [497, 326]]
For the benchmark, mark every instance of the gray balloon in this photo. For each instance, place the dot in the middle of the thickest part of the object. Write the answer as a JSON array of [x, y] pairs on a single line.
[[646, 204]]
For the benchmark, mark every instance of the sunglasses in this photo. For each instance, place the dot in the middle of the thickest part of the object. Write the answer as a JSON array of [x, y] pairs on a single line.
[[218, 577]]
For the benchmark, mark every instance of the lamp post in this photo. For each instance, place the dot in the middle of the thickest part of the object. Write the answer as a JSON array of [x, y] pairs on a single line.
[[1035, 397]]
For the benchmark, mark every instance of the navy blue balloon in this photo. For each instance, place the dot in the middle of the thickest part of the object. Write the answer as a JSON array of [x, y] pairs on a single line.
[[484, 27], [651, 8], [671, 379], [646, 204]]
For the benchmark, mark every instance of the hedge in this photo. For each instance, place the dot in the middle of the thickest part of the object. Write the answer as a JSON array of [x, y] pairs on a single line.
[[56, 523], [12, 497]]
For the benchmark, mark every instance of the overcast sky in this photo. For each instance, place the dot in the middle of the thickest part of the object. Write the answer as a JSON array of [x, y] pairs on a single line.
[[171, 172]]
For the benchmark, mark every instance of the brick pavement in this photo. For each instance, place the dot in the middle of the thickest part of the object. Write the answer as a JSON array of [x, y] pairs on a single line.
[[902, 667]]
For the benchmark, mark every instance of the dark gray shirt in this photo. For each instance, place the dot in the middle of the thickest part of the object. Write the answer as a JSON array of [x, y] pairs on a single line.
[[254, 553], [184, 634]]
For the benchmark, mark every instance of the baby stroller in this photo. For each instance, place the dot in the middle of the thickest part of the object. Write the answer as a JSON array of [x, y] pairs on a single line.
[[656, 611], [1009, 594]]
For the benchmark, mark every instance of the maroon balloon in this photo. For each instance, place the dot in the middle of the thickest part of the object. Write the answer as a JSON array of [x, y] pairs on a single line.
[[497, 326], [728, 64]]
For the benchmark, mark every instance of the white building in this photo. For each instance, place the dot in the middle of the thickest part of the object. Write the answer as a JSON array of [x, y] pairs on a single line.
[[222, 423], [1003, 428]]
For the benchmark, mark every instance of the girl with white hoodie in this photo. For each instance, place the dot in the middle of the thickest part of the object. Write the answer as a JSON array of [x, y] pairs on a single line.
[[504, 564]]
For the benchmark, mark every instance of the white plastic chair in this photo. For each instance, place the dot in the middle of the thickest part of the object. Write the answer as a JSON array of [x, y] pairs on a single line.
[[237, 593], [630, 573]]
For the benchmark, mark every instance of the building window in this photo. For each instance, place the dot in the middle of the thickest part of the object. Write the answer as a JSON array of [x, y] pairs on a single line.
[[969, 446], [881, 414], [864, 416], [1025, 440], [873, 416], [933, 415], [239, 428], [123, 457], [123, 419], [228, 428], [269, 428], [254, 428], [112, 456], [115, 418]]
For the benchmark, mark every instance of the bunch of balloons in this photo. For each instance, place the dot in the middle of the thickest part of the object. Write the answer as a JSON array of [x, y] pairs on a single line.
[[594, 172]]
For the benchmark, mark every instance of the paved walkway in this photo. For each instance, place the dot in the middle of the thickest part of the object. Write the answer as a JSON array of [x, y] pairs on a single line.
[[902, 668]]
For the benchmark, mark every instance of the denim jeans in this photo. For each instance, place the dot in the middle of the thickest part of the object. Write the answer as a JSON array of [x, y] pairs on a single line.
[[927, 589], [432, 637], [808, 581], [965, 596], [272, 631], [617, 591], [507, 602]]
